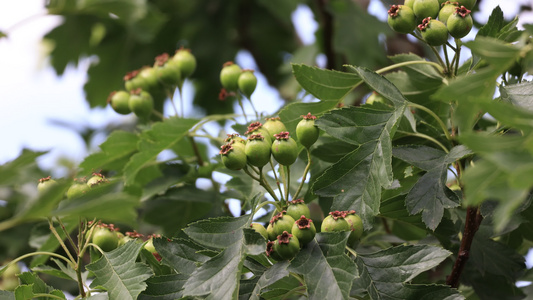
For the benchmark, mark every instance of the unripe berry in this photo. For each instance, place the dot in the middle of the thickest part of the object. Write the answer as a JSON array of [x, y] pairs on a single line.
[[356, 226], [45, 184], [434, 32], [304, 229], [298, 208], [247, 82], [426, 8], [257, 150], [287, 245], [104, 238], [409, 3], [335, 222], [446, 11], [274, 126], [119, 101], [149, 78], [401, 19], [167, 70], [78, 189], [282, 222], [284, 149], [271, 252], [96, 179], [185, 61], [229, 76], [257, 127], [233, 156], [306, 131], [460, 22], [141, 103]]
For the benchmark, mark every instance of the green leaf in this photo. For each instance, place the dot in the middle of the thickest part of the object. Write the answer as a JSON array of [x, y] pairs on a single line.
[[273, 274], [325, 84], [118, 272], [164, 287], [328, 272], [219, 277], [499, 54], [188, 202], [493, 25], [430, 195], [489, 256], [181, 254], [15, 171], [7, 295], [520, 94], [161, 136], [120, 145], [38, 286], [386, 274]]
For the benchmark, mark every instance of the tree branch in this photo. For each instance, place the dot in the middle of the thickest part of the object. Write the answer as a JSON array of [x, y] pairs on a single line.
[[327, 25], [473, 219]]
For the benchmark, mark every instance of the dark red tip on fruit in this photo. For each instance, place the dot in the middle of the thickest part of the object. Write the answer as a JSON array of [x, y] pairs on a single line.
[[256, 137], [269, 248], [393, 11], [228, 63], [225, 149], [284, 135], [131, 75], [273, 119], [462, 11], [309, 116], [296, 201], [303, 222], [136, 91], [338, 214], [231, 137], [425, 24], [253, 127], [284, 238], [45, 179], [223, 94], [134, 234], [247, 70], [161, 59]]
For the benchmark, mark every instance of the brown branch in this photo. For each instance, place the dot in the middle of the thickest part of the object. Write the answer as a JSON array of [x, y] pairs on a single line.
[[327, 24], [473, 219]]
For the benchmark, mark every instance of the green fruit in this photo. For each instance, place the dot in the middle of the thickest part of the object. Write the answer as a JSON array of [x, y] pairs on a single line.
[[119, 101], [167, 71], [45, 184], [446, 11], [297, 208], [260, 229], [284, 149], [257, 150], [141, 103], [149, 77], [282, 222], [235, 138], [270, 232], [257, 127], [287, 245], [304, 229], [132, 81], [270, 251], [150, 246], [185, 61], [247, 82], [376, 98], [233, 156], [434, 32], [123, 239], [104, 238], [356, 226], [409, 3], [469, 4], [335, 222], [401, 19], [96, 179], [426, 8], [460, 23], [229, 76], [77, 189], [274, 126], [306, 131]]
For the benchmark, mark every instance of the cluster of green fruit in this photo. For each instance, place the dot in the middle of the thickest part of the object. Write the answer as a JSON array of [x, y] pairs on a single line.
[[166, 73], [77, 189], [235, 79], [453, 17], [108, 238], [291, 229], [264, 140]]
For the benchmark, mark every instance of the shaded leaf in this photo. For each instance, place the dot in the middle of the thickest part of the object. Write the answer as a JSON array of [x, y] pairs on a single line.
[[328, 272], [325, 84], [164, 287], [520, 94], [273, 274], [120, 145], [181, 254]]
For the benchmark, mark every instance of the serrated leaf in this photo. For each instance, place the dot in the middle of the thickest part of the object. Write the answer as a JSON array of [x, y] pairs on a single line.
[[161, 136], [13, 172], [164, 287], [499, 54], [493, 25], [520, 94], [38, 286], [385, 274], [328, 272], [118, 272], [489, 256], [277, 272], [218, 278], [119, 145], [325, 84], [356, 180], [181, 254], [430, 195]]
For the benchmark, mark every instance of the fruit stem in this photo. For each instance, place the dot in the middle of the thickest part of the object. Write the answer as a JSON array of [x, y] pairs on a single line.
[[432, 49], [276, 178], [182, 106], [306, 170], [431, 113], [276, 204], [196, 151], [41, 253], [80, 280], [265, 184], [239, 99], [60, 240], [67, 234], [158, 114], [352, 251], [424, 136], [245, 169], [288, 187], [171, 97], [284, 179], [253, 107], [458, 52], [445, 50]]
